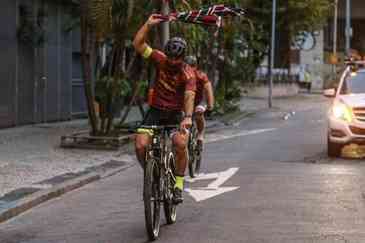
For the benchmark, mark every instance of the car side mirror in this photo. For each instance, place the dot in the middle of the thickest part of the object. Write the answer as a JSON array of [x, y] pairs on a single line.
[[329, 93]]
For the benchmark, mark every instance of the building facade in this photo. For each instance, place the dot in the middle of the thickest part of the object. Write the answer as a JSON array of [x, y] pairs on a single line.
[[317, 59], [357, 22], [40, 69]]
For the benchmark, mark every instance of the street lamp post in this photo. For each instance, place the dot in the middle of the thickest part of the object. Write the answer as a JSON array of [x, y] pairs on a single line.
[[348, 26], [272, 54], [335, 36]]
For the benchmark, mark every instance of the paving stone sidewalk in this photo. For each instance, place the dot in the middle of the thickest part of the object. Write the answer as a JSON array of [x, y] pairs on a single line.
[[31, 154]]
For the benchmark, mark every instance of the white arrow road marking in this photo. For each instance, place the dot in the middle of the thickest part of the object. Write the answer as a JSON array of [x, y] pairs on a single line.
[[213, 189], [201, 177], [222, 178], [204, 194], [216, 137]]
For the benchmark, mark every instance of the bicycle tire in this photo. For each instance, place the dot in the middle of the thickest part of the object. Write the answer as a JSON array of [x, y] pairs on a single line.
[[151, 195], [192, 154], [198, 161], [169, 206]]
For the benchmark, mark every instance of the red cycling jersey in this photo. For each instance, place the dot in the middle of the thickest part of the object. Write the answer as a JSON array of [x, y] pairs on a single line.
[[171, 83], [201, 81]]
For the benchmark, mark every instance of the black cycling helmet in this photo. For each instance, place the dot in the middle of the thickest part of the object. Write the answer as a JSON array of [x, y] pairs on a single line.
[[191, 60], [175, 47]]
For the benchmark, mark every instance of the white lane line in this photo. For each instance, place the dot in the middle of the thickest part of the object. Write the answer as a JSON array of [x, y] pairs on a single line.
[[211, 138]]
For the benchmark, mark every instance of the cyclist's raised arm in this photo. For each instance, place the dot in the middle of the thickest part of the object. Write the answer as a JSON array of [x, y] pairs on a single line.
[[139, 41]]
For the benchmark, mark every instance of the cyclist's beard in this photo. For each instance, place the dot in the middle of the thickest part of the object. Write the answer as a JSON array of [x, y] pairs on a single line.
[[174, 65]]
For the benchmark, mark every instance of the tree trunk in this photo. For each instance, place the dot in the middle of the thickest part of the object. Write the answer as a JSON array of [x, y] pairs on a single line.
[[117, 75], [283, 50], [134, 73], [86, 65], [287, 38], [130, 104], [141, 109]]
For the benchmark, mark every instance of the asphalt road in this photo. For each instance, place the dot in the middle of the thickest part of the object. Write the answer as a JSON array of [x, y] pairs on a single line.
[[283, 188]]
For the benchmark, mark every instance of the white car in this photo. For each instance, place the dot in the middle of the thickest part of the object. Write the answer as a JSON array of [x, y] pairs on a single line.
[[346, 118]]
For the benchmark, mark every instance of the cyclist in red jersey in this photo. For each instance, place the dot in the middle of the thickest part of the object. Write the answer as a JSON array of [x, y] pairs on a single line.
[[204, 89], [174, 92]]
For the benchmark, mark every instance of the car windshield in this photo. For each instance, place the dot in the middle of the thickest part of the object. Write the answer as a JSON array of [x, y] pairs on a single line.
[[354, 84]]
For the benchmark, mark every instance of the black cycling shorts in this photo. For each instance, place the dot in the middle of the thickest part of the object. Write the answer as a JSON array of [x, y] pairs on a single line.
[[159, 117]]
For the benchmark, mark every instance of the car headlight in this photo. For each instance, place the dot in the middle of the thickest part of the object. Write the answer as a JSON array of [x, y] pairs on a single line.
[[342, 111]]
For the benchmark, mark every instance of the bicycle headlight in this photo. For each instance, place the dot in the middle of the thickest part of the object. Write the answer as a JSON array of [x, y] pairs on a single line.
[[342, 111]]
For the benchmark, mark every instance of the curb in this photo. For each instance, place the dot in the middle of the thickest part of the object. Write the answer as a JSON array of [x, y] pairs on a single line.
[[18, 207], [246, 114], [115, 171], [77, 140], [44, 195], [231, 119]]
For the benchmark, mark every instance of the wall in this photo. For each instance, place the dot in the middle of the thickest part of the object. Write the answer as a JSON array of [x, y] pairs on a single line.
[[357, 8], [58, 64], [8, 62], [36, 83], [313, 61]]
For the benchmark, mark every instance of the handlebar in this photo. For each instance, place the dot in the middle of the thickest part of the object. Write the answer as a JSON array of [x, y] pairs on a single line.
[[155, 127]]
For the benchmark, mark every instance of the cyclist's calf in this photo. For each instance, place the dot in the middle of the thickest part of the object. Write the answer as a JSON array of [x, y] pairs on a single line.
[[180, 141], [141, 143], [199, 116]]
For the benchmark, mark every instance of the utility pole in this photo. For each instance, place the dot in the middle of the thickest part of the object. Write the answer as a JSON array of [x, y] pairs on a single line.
[[335, 18], [272, 59], [348, 27], [165, 29]]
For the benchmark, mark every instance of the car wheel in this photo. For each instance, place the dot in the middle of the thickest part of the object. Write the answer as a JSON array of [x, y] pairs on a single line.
[[334, 149]]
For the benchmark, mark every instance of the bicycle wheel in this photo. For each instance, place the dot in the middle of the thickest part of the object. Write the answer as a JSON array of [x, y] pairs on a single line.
[[192, 154], [169, 206], [198, 159], [151, 198]]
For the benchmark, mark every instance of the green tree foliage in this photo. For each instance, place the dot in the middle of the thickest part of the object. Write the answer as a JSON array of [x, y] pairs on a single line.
[[243, 43], [230, 55]]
